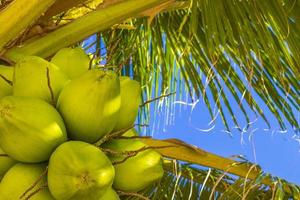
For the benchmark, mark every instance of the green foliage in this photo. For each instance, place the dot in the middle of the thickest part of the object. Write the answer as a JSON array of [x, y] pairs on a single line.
[[193, 50], [184, 181]]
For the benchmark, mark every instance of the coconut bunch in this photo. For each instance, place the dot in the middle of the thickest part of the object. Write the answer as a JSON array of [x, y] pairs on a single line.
[[66, 131]]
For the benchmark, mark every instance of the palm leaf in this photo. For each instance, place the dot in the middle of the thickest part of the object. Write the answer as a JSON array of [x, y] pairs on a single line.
[[184, 181], [191, 172], [242, 47]]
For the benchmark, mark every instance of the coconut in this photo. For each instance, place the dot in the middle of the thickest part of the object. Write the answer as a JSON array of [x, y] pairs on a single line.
[[36, 77], [137, 172], [6, 75], [20, 178], [90, 105], [130, 101], [110, 194], [6, 163], [79, 171], [30, 129], [73, 62]]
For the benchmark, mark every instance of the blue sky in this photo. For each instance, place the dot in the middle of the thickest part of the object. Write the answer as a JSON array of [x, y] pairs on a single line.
[[275, 151]]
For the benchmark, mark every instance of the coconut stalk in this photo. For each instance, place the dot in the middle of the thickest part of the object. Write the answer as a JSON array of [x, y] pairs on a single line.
[[17, 16], [179, 150], [81, 28]]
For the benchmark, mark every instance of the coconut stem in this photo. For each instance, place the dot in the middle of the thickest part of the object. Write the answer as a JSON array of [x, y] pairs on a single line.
[[112, 135], [49, 86], [6, 80], [44, 186], [133, 137], [44, 173], [97, 54], [8, 61], [122, 193], [129, 154]]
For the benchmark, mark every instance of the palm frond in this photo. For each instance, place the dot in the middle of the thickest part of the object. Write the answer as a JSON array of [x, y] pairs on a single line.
[[244, 47], [185, 181], [192, 173]]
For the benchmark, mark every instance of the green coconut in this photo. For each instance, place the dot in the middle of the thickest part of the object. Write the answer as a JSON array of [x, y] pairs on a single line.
[[30, 129], [36, 77], [20, 178], [6, 74], [6, 163], [79, 171], [72, 61], [130, 101], [137, 172], [90, 105], [110, 194]]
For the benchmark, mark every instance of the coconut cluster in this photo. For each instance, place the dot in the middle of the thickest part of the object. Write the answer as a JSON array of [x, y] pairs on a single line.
[[59, 128]]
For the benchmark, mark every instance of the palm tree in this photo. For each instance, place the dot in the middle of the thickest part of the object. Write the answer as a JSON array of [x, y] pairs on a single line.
[[172, 46]]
